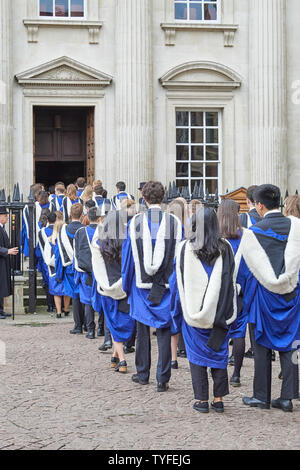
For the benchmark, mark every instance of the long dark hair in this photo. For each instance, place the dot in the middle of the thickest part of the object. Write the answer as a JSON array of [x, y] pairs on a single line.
[[206, 238], [111, 237], [228, 218]]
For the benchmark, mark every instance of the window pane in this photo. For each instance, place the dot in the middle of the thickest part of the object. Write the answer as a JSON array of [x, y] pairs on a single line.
[[196, 119], [197, 136], [197, 170], [210, 12], [46, 7], [180, 11], [61, 8], [182, 183], [212, 136], [211, 186], [212, 170], [212, 152], [77, 8], [196, 11], [182, 136], [197, 152], [182, 152], [182, 118], [212, 119], [193, 184], [182, 170]]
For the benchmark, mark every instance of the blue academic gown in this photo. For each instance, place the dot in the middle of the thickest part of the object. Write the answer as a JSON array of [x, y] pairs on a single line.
[[141, 309], [41, 265], [56, 285], [276, 320], [196, 339], [85, 291]]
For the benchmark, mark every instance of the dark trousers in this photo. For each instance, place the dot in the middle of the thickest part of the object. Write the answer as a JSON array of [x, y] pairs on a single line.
[[263, 374], [89, 315], [200, 382], [131, 342], [107, 335], [78, 314], [1, 304], [181, 345], [143, 353]]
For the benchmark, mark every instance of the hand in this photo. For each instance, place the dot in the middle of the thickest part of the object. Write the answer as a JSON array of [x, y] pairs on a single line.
[[13, 251]]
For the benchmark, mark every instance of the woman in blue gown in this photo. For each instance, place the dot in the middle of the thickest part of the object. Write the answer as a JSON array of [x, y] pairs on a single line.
[[204, 301]]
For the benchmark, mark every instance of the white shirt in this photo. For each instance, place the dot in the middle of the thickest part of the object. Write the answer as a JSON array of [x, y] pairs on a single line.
[[273, 211]]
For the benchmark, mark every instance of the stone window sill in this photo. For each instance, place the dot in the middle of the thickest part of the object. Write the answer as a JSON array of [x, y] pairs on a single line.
[[228, 30], [33, 27]]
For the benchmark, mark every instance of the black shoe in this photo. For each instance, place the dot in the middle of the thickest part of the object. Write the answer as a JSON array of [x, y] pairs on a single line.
[[253, 402], [218, 406], [174, 364], [105, 346], [121, 367], [135, 378], [66, 314], [231, 361], [90, 335], [76, 331], [273, 356], [85, 328], [114, 361], [100, 332], [249, 354], [202, 407], [235, 381], [181, 353], [50, 309], [58, 315], [128, 350], [284, 405], [162, 387]]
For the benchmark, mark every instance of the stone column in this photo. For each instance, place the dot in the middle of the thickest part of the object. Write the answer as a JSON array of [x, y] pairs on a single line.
[[267, 92], [6, 99], [134, 115]]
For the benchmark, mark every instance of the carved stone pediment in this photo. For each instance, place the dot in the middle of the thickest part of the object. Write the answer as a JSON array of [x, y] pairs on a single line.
[[201, 75], [64, 72]]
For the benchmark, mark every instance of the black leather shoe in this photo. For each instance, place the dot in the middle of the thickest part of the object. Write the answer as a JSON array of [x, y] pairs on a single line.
[[66, 314], [76, 331], [100, 332], [231, 361], [90, 335], [235, 381], [174, 364], [162, 387], [128, 350], [85, 328], [121, 367], [201, 407], [105, 346], [253, 402], [135, 378], [58, 315], [217, 406], [284, 405]]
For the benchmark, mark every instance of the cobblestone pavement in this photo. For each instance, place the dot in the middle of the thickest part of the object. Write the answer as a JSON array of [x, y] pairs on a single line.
[[58, 392]]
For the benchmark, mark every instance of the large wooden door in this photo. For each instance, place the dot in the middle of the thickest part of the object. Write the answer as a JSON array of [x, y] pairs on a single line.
[[90, 139]]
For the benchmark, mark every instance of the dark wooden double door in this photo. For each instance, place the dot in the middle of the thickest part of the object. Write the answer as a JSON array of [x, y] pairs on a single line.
[[63, 144]]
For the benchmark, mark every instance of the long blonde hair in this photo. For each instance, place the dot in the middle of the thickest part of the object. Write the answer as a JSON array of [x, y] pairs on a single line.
[[57, 226], [71, 192], [87, 193]]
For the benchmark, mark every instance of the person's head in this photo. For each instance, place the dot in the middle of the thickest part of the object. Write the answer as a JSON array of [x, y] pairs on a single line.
[[71, 192], [96, 183], [59, 222], [194, 206], [178, 207], [36, 188], [52, 189], [89, 204], [51, 218], [43, 198], [98, 190], [121, 186], [59, 215], [140, 188], [87, 193], [292, 206], [266, 198], [129, 206], [80, 182], [76, 212], [4, 216], [93, 216], [153, 192], [112, 233], [44, 217], [249, 196], [228, 218], [206, 237], [60, 189]]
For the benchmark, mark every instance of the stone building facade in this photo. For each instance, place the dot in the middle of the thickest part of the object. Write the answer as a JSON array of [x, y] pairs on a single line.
[[138, 89]]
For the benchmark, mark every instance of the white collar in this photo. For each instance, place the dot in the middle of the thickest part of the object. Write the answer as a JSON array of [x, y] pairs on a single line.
[[274, 211], [152, 206]]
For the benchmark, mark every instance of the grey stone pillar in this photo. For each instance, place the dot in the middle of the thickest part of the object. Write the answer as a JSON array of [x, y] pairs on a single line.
[[134, 115], [267, 92], [6, 100]]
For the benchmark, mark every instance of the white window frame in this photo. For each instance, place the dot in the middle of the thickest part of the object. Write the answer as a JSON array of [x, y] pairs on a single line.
[[64, 18], [189, 162], [203, 21]]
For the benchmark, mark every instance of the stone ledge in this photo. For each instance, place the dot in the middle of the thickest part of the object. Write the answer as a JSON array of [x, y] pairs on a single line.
[[228, 30], [33, 27]]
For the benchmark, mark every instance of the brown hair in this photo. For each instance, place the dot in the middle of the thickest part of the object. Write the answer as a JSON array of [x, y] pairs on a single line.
[[96, 183], [292, 206], [87, 193], [153, 192], [60, 188], [179, 208], [98, 189], [71, 192], [57, 226], [228, 218], [43, 198], [194, 206], [76, 211], [80, 182], [129, 206], [36, 188]]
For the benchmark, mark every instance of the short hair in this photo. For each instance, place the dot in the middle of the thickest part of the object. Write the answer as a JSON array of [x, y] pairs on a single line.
[[51, 217], [60, 188], [60, 183], [98, 189], [250, 192], [76, 211], [52, 189], [90, 203], [121, 186], [80, 182], [36, 188], [153, 192], [43, 197], [93, 214], [268, 195]]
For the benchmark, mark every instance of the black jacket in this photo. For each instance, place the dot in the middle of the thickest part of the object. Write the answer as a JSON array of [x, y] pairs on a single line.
[[5, 269]]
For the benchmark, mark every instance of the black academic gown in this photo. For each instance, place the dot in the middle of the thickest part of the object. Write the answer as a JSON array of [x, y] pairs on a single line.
[[5, 279]]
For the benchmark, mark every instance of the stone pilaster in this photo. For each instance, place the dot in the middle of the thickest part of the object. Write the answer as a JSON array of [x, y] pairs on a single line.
[[134, 115], [267, 92], [6, 100]]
